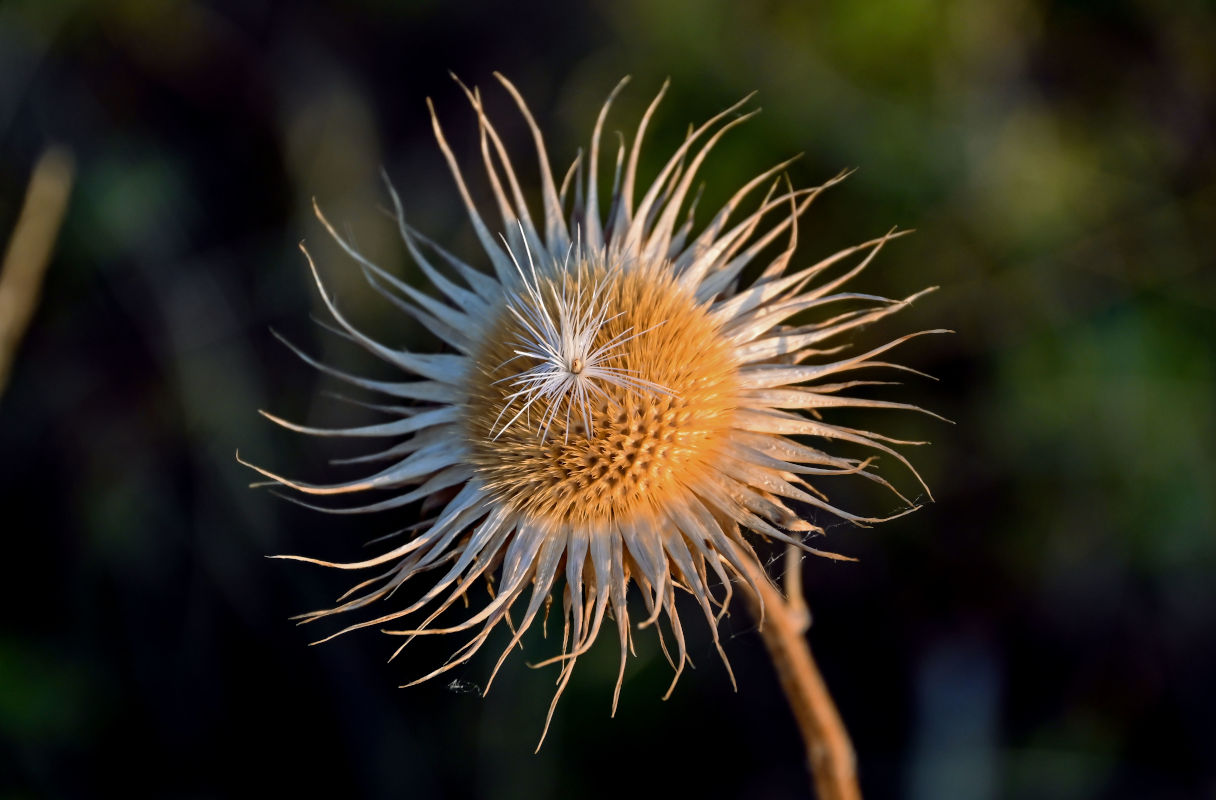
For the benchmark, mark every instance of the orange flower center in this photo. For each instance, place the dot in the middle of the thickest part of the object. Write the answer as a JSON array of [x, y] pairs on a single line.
[[644, 441]]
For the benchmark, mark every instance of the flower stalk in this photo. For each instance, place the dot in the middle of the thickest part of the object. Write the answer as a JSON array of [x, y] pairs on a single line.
[[29, 251], [829, 752]]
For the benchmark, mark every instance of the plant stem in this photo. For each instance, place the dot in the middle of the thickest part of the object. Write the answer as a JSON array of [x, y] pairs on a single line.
[[29, 251], [829, 752]]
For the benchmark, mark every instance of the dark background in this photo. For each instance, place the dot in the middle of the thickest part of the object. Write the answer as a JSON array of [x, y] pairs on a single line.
[[1045, 630]]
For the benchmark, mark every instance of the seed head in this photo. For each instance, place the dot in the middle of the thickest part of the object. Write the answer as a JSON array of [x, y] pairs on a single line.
[[619, 406]]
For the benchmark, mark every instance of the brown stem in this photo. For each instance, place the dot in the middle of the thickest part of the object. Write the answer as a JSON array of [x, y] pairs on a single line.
[[29, 251], [828, 749]]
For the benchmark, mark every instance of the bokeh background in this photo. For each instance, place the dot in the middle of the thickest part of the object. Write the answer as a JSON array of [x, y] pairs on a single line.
[[1045, 629]]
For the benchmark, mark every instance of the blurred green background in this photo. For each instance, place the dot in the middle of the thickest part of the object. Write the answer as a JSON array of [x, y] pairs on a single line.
[[1046, 629]]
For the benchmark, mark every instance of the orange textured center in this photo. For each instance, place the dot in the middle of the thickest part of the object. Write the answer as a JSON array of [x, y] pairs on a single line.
[[643, 442]]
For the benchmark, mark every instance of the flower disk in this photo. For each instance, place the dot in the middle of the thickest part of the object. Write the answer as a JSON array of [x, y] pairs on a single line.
[[645, 440], [628, 401]]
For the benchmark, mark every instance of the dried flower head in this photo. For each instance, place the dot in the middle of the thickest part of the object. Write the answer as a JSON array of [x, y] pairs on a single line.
[[620, 406]]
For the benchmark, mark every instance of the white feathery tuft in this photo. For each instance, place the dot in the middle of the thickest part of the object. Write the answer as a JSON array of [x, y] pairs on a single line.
[[562, 340]]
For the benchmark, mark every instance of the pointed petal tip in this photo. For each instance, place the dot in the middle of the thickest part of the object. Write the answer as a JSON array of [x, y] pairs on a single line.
[[912, 298], [253, 467], [504, 80]]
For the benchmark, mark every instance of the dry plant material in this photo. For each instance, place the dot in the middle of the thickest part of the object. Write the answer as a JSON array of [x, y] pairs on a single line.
[[617, 406], [29, 251]]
